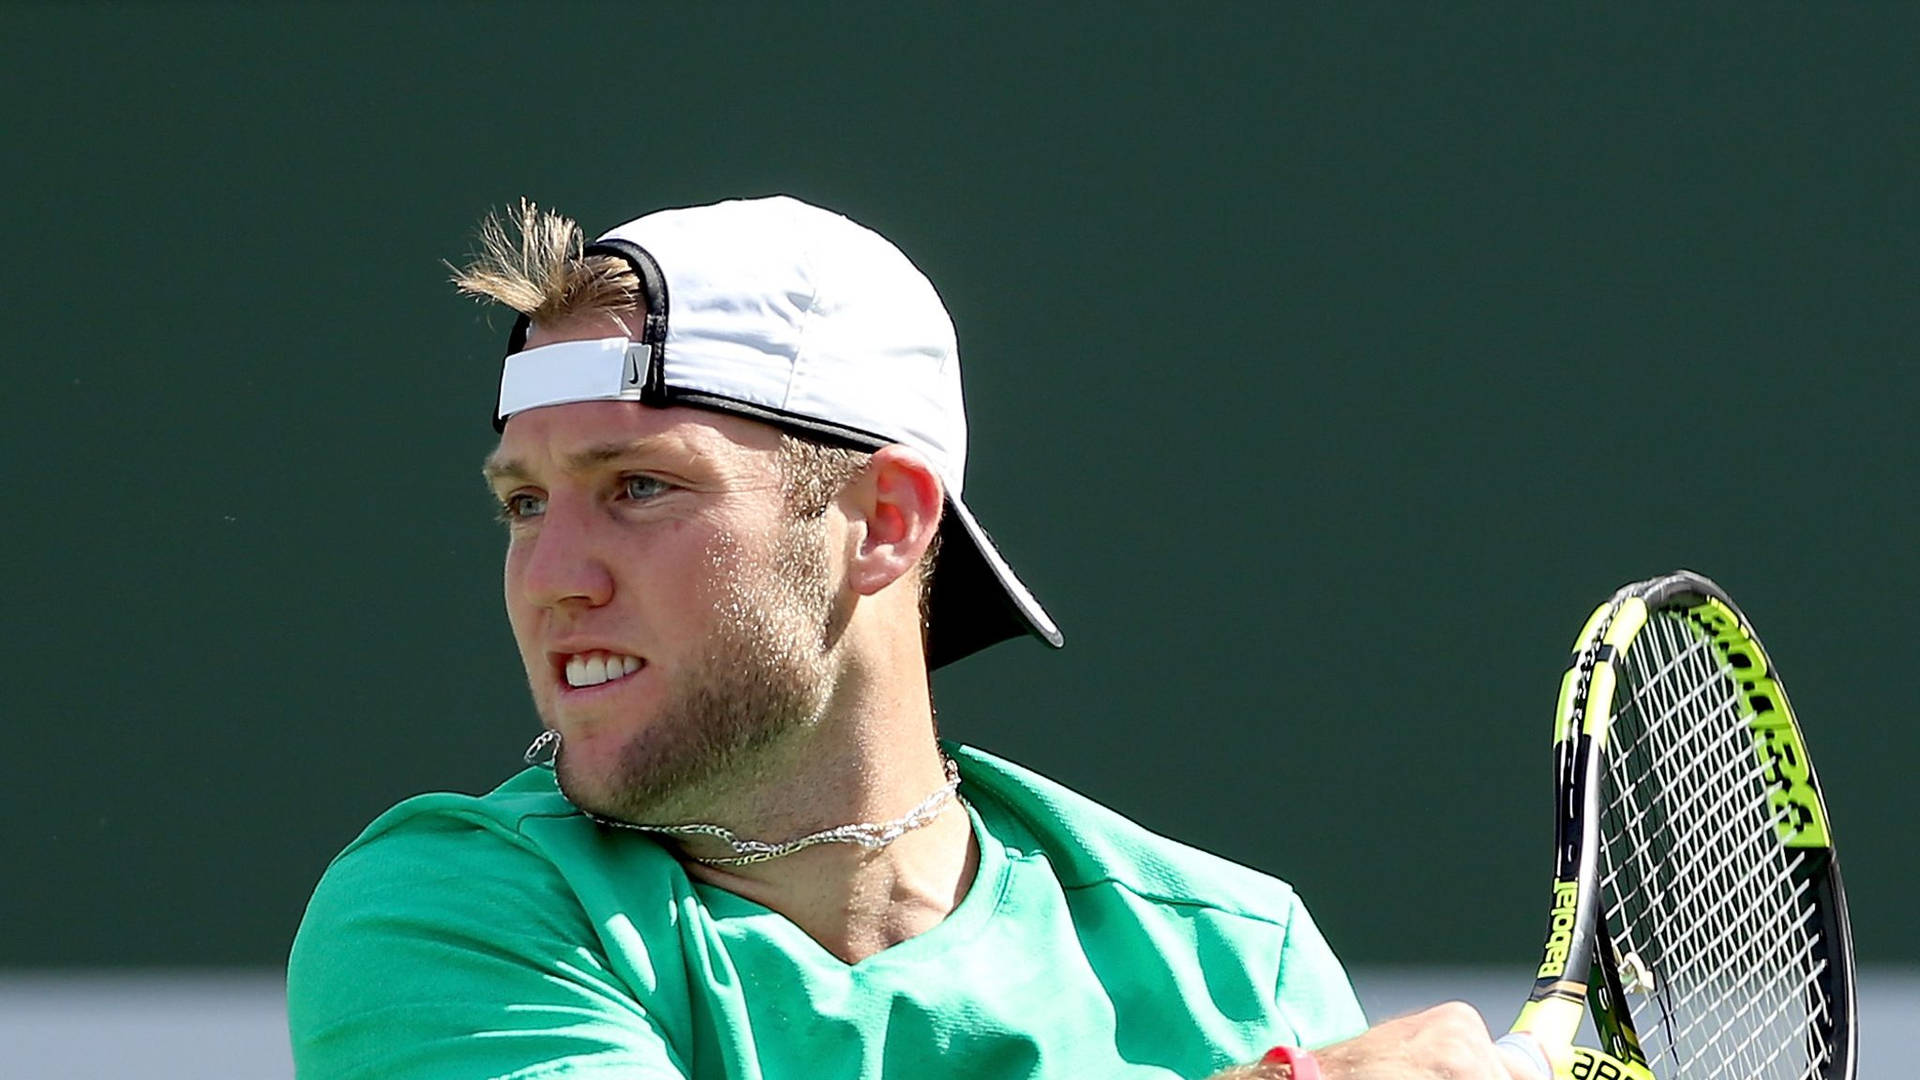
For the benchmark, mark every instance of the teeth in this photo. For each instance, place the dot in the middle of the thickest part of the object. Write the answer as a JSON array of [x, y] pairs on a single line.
[[594, 668]]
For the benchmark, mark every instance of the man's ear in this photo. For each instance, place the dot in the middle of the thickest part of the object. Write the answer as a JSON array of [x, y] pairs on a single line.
[[895, 510]]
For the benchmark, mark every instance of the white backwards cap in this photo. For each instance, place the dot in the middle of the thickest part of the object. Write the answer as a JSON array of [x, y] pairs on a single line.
[[795, 316]]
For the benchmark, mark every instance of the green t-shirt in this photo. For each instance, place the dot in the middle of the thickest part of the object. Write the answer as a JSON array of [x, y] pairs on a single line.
[[510, 936]]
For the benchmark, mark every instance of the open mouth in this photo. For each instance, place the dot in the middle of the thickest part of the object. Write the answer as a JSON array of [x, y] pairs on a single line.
[[582, 670]]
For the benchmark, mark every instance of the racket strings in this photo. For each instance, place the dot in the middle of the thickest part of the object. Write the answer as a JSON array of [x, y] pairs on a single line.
[[1769, 1005], [1689, 836], [1699, 952], [1727, 828], [1817, 1045], [1729, 887], [1735, 889], [1725, 973], [1760, 825], [1637, 747], [1692, 777], [1625, 807], [1688, 808], [1701, 776]]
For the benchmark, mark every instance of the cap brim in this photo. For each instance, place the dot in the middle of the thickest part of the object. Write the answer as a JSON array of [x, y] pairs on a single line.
[[976, 600]]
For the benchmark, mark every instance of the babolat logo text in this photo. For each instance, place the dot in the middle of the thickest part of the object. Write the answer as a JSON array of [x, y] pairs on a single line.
[[1566, 897], [1588, 1067]]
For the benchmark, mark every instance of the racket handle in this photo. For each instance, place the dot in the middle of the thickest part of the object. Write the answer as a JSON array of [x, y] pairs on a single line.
[[1524, 1050]]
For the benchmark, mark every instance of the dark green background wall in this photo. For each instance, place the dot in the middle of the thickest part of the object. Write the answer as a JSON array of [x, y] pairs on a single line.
[[1325, 368]]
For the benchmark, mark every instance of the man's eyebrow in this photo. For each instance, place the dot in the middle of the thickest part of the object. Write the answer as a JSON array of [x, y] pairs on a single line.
[[496, 469]]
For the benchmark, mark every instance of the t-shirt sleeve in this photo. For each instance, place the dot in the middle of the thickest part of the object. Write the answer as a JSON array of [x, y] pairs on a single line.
[[1314, 995], [444, 948]]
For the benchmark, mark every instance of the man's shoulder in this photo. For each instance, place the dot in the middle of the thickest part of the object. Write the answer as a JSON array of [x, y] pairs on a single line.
[[528, 800], [453, 913], [520, 845], [1090, 845]]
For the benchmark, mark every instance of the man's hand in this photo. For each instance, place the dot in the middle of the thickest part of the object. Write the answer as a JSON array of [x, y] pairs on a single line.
[[1446, 1042]]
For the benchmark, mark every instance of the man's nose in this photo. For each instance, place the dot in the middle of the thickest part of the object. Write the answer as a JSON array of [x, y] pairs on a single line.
[[565, 564]]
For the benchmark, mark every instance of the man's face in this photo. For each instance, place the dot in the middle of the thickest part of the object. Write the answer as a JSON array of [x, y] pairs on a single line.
[[671, 612]]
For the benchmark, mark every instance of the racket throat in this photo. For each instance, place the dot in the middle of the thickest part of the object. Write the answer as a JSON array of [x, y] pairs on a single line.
[[1612, 1017]]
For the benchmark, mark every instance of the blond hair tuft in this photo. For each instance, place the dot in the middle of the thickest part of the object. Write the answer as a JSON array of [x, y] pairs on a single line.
[[532, 261]]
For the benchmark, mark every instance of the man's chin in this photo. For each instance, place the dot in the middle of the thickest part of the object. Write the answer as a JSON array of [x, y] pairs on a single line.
[[626, 790], [578, 791], [589, 785]]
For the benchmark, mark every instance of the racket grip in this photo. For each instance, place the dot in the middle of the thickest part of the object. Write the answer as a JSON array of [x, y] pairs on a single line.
[[1524, 1050]]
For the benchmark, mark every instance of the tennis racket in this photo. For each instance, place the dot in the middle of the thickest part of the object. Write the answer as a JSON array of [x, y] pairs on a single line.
[[1696, 906]]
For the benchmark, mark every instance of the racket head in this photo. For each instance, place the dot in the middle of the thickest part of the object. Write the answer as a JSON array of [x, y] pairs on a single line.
[[1697, 907]]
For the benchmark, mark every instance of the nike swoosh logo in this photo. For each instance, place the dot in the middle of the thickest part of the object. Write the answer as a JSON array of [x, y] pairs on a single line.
[[633, 375]]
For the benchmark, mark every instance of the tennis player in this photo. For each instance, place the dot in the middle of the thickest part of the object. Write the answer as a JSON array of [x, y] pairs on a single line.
[[730, 466]]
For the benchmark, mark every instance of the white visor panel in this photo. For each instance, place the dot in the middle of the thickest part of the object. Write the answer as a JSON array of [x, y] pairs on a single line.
[[609, 369]]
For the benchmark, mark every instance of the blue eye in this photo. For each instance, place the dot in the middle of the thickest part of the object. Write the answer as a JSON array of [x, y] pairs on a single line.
[[640, 488], [521, 506]]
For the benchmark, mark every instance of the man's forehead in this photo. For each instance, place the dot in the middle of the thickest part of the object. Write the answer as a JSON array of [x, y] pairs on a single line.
[[586, 326], [589, 434]]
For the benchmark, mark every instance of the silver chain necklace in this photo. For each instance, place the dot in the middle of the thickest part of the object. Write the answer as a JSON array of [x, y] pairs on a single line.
[[872, 835]]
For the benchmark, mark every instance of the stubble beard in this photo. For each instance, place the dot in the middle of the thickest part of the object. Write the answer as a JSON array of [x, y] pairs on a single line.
[[723, 724]]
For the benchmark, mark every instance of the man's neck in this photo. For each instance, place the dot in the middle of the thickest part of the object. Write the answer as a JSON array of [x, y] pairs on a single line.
[[857, 901], [872, 760]]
